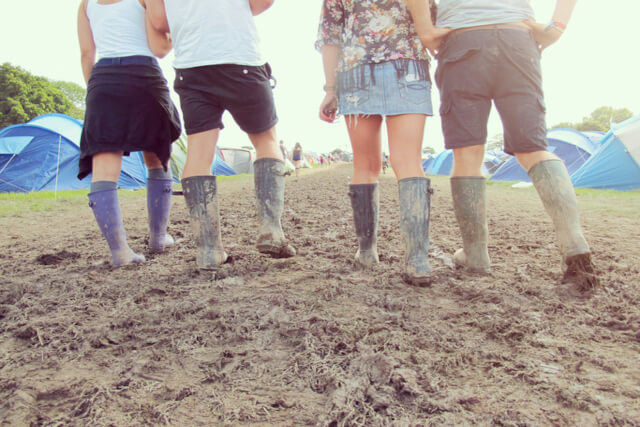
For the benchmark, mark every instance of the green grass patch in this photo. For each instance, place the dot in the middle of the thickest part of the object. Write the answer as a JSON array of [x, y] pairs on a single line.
[[16, 204]]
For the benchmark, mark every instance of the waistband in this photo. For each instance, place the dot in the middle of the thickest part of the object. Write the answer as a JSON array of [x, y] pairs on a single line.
[[509, 26], [129, 60]]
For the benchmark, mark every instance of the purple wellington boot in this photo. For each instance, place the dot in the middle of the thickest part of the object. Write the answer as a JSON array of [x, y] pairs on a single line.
[[106, 209], [159, 206]]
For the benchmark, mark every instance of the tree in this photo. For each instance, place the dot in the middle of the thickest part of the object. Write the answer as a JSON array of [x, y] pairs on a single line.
[[428, 150], [600, 119], [24, 96], [76, 94]]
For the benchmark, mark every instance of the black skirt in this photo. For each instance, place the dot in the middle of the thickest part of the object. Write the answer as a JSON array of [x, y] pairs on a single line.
[[128, 109]]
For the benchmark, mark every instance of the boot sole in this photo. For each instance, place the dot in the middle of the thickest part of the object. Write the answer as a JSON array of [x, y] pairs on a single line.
[[279, 251], [580, 274]]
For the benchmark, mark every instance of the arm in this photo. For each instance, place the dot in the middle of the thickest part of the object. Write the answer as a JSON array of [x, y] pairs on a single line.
[[259, 6], [157, 15], [159, 41], [329, 105], [157, 27], [546, 35], [85, 39], [430, 35]]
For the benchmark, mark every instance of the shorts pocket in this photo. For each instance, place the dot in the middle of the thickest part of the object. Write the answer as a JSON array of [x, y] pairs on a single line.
[[413, 90], [445, 107], [447, 58]]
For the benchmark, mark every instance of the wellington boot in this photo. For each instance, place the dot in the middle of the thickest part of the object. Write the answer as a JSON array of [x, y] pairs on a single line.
[[268, 176], [106, 209], [201, 196], [415, 206], [365, 201], [553, 184], [159, 208], [470, 206]]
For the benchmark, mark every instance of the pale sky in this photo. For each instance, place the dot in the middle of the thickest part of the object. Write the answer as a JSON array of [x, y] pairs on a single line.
[[595, 63]]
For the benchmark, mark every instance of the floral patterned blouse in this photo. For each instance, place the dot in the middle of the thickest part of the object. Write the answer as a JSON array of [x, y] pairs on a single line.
[[369, 31]]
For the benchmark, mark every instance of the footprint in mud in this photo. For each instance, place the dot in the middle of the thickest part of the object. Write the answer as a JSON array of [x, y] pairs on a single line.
[[57, 258]]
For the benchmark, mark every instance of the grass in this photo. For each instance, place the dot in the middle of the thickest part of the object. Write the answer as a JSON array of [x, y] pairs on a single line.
[[15, 204], [608, 202], [620, 203]]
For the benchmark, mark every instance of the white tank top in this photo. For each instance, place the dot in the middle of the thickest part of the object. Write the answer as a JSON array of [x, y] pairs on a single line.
[[211, 32], [118, 29]]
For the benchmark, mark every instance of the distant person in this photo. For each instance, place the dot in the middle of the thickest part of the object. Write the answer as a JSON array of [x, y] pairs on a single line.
[[219, 68], [128, 109], [283, 150], [385, 162], [297, 157], [493, 55], [376, 71]]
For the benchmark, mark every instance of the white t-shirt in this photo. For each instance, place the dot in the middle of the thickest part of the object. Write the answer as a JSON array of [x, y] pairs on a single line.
[[471, 13], [118, 29], [212, 32]]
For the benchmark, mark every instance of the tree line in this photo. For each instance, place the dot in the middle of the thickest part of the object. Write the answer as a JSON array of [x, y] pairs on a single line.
[[24, 96]]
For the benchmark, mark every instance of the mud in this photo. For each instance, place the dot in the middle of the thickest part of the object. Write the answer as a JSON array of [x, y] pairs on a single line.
[[313, 340]]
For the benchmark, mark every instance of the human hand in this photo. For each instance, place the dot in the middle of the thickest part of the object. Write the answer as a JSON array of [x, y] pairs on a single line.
[[434, 38], [543, 35], [329, 107]]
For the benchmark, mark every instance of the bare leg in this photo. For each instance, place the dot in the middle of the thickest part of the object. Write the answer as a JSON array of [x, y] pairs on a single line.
[[364, 133], [200, 152], [106, 166], [405, 144]]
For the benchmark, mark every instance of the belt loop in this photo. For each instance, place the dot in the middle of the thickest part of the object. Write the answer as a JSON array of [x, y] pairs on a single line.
[[118, 60]]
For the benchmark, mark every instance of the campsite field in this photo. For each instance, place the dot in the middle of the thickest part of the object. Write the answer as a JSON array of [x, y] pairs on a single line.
[[310, 340]]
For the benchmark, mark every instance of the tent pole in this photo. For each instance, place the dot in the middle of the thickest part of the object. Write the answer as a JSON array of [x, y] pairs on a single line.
[[55, 192]]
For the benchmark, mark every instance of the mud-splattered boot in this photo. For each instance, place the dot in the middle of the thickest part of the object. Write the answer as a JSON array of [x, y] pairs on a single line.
[[470, 206], [553, 184], [201, 196], [159, 207], [268, 176], [106, 209], [415, 205], [365, 202]]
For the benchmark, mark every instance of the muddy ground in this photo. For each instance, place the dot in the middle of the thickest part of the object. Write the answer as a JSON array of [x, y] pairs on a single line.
[[310, 340]]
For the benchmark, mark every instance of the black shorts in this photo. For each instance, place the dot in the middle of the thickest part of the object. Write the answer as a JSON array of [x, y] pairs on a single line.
[[500, 65], [245, 91]]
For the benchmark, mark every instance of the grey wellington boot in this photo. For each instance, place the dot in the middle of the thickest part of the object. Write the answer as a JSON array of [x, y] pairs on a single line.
[[470, 206], [415, 205], [365, 201], [553, 184], [268, 177], [201, 196]]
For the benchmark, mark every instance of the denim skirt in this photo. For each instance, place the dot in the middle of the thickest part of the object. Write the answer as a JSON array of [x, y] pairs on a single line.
[[389, 88]]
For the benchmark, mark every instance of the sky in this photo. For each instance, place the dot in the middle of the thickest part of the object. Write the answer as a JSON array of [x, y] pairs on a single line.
[[595, 63]]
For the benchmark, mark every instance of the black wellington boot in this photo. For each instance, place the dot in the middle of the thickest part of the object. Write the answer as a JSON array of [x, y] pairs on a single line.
[[365, 201]]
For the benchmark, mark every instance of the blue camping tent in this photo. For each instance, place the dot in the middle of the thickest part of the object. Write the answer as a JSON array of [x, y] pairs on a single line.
[[427, 163], [43, 154], [572, 146], [616, 164], [442, 163], [220, 167]]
